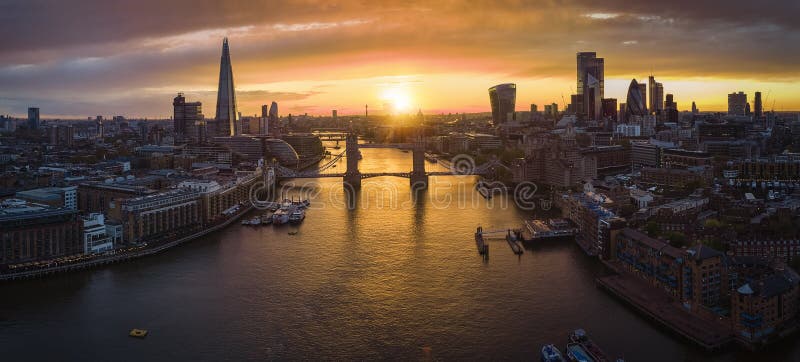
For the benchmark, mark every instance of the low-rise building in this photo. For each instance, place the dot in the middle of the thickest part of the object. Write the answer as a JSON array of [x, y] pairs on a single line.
[[157, 215], [32, 232], [66, 197], [95, 234]]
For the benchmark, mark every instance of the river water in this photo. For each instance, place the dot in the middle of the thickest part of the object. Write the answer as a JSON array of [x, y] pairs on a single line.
[[394, 277]]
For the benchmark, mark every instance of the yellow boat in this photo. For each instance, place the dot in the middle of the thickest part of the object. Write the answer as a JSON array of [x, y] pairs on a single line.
[[138, 333]]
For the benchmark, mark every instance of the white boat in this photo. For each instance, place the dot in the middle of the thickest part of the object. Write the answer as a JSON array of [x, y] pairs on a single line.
[[280, 217], [255, 221], [297, 216]]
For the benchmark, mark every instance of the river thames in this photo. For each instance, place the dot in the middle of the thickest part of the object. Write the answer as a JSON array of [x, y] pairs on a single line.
[[395, 277]]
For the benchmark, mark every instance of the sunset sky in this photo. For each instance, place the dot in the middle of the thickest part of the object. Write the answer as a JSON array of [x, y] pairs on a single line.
[[99, 57]]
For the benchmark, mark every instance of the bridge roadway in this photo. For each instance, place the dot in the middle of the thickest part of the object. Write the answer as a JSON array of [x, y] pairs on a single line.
[[371, 174]]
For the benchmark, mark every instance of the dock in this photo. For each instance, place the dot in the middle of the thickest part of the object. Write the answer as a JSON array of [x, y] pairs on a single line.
[[513, 237], [483, 248]]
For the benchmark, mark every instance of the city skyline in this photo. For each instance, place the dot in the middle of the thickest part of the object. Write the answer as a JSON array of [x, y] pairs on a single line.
[[343, 56]]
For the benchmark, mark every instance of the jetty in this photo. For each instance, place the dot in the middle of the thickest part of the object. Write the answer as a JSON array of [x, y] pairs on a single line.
[[483, 248], [513, 237]]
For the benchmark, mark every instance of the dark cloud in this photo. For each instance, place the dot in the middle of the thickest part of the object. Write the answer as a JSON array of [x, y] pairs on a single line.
[[97, 52]]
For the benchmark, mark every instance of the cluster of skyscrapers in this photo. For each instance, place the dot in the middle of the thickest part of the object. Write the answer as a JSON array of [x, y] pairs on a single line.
[[190, 124]]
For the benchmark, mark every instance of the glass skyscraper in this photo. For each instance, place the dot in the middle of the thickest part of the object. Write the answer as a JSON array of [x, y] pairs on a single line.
[[591, 84], [503, 99], [634, 104], [226, 96]]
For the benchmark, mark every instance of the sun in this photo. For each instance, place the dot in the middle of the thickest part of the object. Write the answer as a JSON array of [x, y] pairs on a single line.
[[398, 99]]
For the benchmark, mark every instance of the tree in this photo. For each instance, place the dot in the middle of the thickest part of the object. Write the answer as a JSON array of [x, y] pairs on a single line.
[[677, 239], [652, 229], [712, 224]]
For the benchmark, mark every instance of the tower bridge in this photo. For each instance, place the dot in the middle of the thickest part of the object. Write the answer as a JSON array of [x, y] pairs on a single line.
[[352, 176]]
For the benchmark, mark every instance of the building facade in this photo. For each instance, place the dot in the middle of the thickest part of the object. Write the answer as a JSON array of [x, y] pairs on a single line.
[[502, 98]]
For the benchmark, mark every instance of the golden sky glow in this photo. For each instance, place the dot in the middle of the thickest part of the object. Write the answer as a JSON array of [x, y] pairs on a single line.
[[316, 56]]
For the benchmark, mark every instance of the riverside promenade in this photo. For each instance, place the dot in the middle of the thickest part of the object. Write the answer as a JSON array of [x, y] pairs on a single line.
[[118, 258], [662, 308]]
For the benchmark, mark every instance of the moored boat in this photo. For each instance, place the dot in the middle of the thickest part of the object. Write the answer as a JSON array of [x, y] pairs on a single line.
[[297, 216], [280, 217], [550, 353], [576, 352], [579, 337]]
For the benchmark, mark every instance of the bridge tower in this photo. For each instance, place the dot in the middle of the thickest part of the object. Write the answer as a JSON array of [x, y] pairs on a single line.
[[419, 179], [353, 176]]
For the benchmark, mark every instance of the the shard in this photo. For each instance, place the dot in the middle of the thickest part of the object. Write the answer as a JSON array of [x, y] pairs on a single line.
[[226, 96]]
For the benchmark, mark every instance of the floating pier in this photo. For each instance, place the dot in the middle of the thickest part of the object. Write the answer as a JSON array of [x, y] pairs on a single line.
[[483, 248], [513, 237]]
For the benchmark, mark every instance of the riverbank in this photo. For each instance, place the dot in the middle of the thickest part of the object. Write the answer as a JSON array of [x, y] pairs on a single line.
[[118, 258], [661, 308]]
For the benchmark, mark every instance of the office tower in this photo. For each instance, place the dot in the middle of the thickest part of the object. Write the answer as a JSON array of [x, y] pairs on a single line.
[[534, 108], [634, 103], [758, 107], [574, 105], [621, 113], [588, 65], [554, 109], [502, 98], [61, 135], [651, 83], [747, 109], [671, 109], [658, 98], [33, 118], [187, 120], [694, 108], [643, 92], [610, 108], [226, 97], [272, 119], [737, 102]]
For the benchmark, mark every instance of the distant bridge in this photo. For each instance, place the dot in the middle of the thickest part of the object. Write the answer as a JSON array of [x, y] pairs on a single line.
[[353, 177]]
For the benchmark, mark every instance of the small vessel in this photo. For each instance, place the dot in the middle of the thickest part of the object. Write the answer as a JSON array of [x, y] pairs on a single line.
[[593, 351], [266, 219], [297, 216], [576, 352], [138, 333], [245, 222], [550, 353], [293, 232], [280, 217], [255, 221]]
